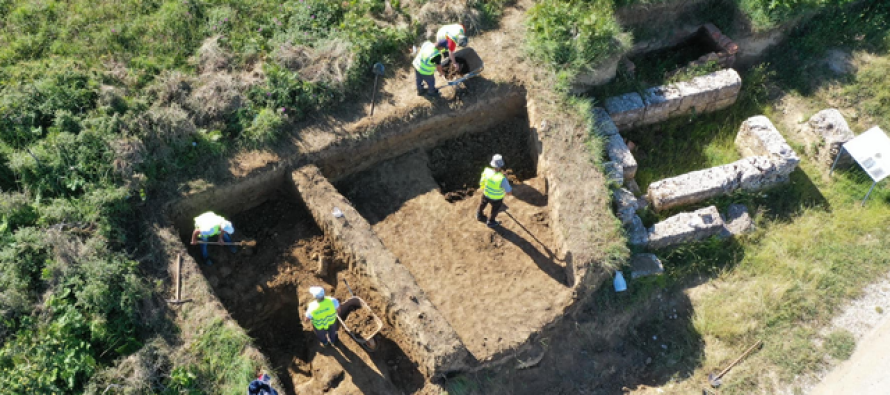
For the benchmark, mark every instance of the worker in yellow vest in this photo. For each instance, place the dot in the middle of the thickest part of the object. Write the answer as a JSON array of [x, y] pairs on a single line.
[[495, 187], [208, 225], [322, 313], [454, 36], [426, 62]]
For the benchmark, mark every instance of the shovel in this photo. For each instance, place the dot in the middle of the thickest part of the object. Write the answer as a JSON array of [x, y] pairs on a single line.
[[378, 70], [715, 380], [178, 299], [244, 243]]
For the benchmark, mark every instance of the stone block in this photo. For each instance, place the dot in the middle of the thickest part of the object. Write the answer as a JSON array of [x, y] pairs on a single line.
[[642, 265], [637, 234], [632, 186], [626, 110], [830, 127], [758, 137], [614, 173], [753, 173], [725, 103], [625, 205], [660, 102], [693, 187], [737, 221], [602, 122], [686, 227], [619, 153]]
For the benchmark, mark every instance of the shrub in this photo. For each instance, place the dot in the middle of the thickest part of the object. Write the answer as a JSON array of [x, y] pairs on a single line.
[[16, 211], [264, 129], [572, 34]]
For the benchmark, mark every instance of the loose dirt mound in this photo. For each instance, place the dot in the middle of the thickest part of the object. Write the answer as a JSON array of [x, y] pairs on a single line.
[[265, 290]]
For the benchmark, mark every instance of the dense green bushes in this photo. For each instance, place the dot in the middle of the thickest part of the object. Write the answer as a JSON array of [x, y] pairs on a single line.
[[573, 34]]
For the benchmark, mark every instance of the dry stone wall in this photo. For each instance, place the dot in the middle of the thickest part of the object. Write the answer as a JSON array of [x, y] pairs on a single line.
[[769, 161], [707, 93]]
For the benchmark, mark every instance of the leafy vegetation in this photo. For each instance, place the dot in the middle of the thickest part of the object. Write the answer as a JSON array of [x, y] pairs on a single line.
[[570, 35]]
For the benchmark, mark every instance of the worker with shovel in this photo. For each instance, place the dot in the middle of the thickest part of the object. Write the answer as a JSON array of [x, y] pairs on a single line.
[[322, 313], [454, 36], [495, 187], [426, 62], [208, 225]]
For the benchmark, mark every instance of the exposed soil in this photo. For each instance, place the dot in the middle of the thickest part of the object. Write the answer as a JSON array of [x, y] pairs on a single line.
[[495, 286], [457, 164], [265, 290], [360, 321]]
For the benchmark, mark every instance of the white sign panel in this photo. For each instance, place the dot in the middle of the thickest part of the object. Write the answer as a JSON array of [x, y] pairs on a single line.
[[872, 151]]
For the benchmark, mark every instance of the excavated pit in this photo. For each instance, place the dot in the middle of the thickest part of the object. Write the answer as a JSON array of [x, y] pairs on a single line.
[[452, 293], [496, 287], [265, 291]]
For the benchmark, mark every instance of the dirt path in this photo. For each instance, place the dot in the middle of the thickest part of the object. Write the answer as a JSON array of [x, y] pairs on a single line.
[[866, 371]]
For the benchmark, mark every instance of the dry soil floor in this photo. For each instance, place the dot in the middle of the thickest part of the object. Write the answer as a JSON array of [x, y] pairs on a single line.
[[495, 286]]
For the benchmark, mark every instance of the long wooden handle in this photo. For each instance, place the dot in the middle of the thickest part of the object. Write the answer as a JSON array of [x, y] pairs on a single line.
[[179, 276], [246, 243], [740, 358]]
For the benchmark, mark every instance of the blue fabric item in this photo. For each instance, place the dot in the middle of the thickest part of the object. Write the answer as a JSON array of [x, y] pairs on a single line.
[[430, 81], [505, 183], [226, 238], [257, 387]]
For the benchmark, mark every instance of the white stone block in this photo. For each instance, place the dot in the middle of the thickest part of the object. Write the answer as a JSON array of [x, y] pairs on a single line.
[[625, 110], [686, 227], [619, 153]]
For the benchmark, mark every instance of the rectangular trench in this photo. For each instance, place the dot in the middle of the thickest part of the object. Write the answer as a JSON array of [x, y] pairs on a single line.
[[420, 339]]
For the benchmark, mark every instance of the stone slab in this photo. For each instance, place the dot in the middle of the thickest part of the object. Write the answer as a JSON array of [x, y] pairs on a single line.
[[737, 221], [618, 152], [435, 346], [625, 205], [614, 173], [660, 102], [758, 137], [686, 227], [626, 110], [637, 234], [603, 124], [643, 265], [832, 131]]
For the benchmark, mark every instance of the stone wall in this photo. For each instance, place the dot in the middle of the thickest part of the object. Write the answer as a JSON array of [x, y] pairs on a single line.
[[434, 344], [769, 161], [707, 93], [685, 228]]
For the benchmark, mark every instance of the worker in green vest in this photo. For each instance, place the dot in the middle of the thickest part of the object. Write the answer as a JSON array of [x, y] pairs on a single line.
[[495, 187], [454, 36], [208, 225], [322, 313], [426, 62]]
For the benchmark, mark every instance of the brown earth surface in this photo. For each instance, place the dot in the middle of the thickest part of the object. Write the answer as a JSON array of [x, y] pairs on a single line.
[[495, 286], [266, 291]]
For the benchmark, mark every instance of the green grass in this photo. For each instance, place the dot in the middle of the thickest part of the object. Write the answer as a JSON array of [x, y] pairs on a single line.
[[840, 344]]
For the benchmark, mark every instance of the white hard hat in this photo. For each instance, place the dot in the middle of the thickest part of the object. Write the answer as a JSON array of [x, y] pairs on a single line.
[[497, 161], [317, 292], [227, 227]]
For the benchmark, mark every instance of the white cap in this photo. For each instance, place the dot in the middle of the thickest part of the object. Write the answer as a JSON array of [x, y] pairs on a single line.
[[227, 227], [497, 161], [317, 292]]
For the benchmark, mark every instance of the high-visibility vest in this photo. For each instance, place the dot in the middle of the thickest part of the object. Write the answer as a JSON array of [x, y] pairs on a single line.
[[491, 184], [324, 314], [208, 223], [423, 62], [450, 31]]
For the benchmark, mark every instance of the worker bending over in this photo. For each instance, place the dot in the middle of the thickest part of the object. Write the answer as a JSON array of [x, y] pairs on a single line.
[[495, 187], [261, 386], [208, 225], [454, 36], [322, 312], [426, 63]]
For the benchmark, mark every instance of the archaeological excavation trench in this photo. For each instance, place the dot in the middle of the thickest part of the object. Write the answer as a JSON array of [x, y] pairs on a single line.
[[452, 292]]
